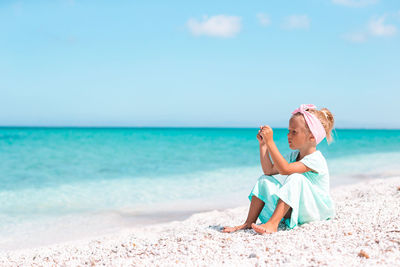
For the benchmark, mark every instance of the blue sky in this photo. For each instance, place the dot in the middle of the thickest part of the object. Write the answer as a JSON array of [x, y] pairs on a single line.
[[204, 63]]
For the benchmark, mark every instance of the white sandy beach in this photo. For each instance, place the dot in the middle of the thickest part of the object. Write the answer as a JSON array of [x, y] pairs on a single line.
[[366, 231]]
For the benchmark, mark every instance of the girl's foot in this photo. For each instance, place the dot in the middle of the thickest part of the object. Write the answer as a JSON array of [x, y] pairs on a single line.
[[266, 228], [228, 229]]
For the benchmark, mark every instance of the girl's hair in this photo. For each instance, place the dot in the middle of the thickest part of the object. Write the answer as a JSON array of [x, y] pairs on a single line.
[[327, 120]]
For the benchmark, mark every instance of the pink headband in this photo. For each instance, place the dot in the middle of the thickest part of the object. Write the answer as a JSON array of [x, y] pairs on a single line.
[[313, 122]]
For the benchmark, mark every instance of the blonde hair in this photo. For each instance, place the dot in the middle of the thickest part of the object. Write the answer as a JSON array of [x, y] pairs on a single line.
[[326, 118]]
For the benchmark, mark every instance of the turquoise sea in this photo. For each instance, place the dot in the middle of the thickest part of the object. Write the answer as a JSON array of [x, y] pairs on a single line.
[[58, 184]]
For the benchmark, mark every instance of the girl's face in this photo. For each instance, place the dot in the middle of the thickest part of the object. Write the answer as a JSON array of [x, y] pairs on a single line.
[[298, 135]]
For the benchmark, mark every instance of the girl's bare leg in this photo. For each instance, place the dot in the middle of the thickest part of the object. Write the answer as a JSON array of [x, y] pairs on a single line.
[[281, 210], [256, 206]]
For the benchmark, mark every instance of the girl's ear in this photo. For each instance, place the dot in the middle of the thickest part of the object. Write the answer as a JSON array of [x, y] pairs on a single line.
[[311, 137]]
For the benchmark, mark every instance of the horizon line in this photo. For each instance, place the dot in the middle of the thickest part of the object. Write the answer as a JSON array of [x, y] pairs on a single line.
[[178, 127]]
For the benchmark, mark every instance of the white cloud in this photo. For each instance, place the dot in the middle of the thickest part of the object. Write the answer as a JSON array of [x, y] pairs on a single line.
[[356, 37], [378, 28], [263, 19], [355, 3], [216, 26], [297, 22]]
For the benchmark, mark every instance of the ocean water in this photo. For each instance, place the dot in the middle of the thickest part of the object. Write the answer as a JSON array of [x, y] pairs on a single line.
[[58, 184]]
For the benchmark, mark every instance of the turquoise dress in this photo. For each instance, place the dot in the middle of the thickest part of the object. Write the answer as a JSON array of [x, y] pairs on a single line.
[[306, 193]]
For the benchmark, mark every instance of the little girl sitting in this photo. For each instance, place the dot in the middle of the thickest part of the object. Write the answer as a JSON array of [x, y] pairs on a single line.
[[295, 187]]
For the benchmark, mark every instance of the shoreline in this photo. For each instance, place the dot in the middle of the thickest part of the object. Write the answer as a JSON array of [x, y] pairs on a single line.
[[365, 231], [87, 226]]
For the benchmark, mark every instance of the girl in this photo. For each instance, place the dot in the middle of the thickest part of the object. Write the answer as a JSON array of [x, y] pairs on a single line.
[[300, 193]]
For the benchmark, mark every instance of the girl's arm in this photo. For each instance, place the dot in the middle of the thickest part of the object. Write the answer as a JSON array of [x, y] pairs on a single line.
[[266, 164], [280, 163]]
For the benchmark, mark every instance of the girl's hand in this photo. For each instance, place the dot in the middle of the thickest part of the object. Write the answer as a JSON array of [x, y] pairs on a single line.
[[267, 134], [259, 137]]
